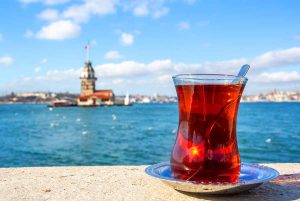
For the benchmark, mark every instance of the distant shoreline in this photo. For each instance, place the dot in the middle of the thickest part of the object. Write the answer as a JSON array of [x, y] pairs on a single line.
[[30, 103], [48, 98]]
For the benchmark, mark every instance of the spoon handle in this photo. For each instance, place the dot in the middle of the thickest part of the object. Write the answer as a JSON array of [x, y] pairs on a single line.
[[243, 71]]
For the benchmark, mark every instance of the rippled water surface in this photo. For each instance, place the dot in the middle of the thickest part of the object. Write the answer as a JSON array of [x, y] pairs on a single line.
[[33, 135]]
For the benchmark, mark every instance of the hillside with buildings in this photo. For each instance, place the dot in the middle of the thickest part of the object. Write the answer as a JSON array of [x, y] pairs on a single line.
[[36, 98], [275, 96], [49, 97]]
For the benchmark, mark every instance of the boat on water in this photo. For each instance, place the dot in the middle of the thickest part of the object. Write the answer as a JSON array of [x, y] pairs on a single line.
[[127, 100], [62, 103]]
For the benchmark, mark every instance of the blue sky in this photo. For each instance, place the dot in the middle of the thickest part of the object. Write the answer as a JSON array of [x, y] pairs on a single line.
[[136, 46]]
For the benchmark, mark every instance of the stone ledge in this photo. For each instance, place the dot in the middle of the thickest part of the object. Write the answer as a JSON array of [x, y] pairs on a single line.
[[124, 183]]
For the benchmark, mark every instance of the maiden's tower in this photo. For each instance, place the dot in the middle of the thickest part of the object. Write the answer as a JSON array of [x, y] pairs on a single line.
[[89, 95]]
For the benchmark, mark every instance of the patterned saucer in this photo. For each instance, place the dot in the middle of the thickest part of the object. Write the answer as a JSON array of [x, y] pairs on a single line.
[[251, 176]]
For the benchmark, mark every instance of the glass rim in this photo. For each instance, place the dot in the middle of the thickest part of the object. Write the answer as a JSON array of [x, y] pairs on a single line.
[[209, 76]]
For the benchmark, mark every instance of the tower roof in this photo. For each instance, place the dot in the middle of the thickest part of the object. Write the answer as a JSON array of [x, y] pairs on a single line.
[[88, 71], [88, 66]]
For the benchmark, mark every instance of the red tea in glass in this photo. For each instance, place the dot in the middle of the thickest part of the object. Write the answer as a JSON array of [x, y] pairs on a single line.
[[206, 148]]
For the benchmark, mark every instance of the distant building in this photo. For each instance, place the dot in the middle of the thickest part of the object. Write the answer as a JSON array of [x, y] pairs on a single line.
[[36, 94], [89, 95]]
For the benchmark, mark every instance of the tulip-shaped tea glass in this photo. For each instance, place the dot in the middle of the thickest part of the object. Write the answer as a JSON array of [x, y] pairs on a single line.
[[206, 147]]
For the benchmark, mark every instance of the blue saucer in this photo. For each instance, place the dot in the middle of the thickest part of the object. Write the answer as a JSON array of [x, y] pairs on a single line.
[[251, 176]]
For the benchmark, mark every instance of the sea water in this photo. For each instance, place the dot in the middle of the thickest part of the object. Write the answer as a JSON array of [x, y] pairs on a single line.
[[35, 135]]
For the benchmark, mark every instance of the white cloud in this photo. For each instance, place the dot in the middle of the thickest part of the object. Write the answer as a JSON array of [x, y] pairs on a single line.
[[59, 30], [29, 1], [153, 8], [118, 81], [160, 66], [44, 61], [160, 13], [60, 75], [83, 12], [168, 67], [126, 39], [54, 80], [46, 2], [141, 10], [276, 58], [53, 2], [56, 74], [112, 55], [164, 78], [184, 25], [49, 15], [123, 69], [28, 34], [271, 59], [165, 67], [297, 37], [27, 79], [37, 69], [78, 13], [277, 77], [190, 1], [6, 60], [156, 75]]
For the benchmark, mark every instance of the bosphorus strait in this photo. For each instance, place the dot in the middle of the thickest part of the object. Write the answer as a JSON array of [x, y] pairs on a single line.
[[34, 135]]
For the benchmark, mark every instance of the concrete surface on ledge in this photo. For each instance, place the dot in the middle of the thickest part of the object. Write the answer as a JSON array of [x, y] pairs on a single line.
[[124, 183]]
